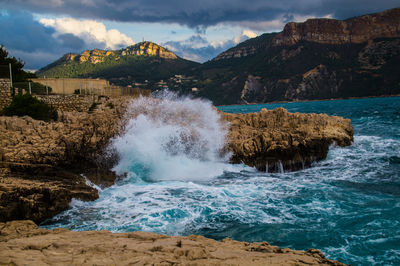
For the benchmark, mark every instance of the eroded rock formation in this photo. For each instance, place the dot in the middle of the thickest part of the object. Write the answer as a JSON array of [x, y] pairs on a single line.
[[41, 163], [356, 30], [277, 140], [22, 243], [148, 48], [96, 56], [331, 31]]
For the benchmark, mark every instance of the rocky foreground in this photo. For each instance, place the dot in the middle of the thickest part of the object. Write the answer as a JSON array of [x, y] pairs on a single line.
[[44, 165], [22, 243], [41, 164]]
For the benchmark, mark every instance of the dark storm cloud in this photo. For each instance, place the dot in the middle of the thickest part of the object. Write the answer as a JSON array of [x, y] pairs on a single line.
[[71, 41], [201, 14], [20, 31], [29, 40]]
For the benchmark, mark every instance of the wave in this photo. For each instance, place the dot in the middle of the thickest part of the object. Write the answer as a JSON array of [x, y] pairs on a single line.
[[172, 138]]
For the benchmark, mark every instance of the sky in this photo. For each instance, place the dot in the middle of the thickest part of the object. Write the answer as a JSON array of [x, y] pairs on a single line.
[[41, 31]]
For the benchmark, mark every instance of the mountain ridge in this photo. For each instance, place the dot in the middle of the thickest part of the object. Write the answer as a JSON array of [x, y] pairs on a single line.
[[312, 60], [139, 62], [329, 31]]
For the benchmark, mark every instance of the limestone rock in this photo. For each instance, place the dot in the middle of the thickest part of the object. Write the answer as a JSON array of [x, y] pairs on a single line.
[[41, 163], [277, 140], [22, 243], [148, 48], [40, 197], [354, 30], [98, 56], [360, 29]]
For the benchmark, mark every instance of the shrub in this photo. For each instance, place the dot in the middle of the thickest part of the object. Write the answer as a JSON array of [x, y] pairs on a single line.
[[93, 106], [28, 105]]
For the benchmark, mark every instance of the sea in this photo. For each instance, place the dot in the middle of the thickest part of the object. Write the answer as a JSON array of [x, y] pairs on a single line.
[[175, 180]]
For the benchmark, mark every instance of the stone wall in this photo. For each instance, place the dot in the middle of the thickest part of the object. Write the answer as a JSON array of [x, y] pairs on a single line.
[[78, 103], [73, 102], [116, 91], [82, 103], [5, 93], [69, 85]]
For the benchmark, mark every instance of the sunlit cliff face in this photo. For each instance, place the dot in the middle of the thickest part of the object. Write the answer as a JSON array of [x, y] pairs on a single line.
[[98, 56]]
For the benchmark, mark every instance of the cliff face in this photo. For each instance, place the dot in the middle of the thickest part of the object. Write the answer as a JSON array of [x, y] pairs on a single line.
[[41, 163], [317, 59], [94, 56], [141, 49], [146, 63], [22, 243], [360, 29], [150, 49], [354, 30], [248, 48]]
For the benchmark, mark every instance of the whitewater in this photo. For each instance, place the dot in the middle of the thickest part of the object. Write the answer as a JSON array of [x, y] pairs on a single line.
[[175, 179]]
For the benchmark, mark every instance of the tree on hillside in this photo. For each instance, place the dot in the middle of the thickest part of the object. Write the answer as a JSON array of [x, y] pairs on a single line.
[[16, 65]]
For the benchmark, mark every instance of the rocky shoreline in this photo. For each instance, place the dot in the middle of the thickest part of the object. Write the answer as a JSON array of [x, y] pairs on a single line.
[[22, 243], [41, 164], [44, 165]]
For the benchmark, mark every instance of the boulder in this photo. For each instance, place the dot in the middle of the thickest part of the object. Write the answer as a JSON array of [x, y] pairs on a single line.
[[277, 140]]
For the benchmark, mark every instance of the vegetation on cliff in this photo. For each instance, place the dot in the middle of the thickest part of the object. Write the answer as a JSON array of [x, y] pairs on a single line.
[[26, 104], [137, 63], [20, 77], [317, 59], [17, 66]]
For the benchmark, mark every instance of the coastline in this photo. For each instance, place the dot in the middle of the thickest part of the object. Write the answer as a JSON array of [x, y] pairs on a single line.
[[321, 100], [22, 242], [39, 183]]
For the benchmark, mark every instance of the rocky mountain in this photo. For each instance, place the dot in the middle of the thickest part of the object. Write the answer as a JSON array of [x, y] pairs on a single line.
[[316, 59], [136, 63]]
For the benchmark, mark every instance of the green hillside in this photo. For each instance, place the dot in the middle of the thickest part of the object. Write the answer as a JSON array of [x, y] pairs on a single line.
[[317, 59], [138, 63]]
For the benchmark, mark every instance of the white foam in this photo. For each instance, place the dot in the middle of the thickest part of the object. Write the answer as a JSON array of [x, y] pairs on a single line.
[[172, 138], [91, 184]]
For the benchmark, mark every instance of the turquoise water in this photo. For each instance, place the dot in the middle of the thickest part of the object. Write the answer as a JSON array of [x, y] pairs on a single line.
[[347, 205]]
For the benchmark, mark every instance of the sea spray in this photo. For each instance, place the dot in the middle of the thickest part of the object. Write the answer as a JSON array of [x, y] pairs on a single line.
[[171, 138]]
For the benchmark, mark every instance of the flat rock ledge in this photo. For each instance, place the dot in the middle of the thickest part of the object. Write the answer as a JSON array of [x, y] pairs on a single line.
[[277, 140], [23, 243]]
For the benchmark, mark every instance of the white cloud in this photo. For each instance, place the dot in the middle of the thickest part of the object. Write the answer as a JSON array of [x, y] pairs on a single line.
[[246, 34], [94, 33], [199, 49]]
